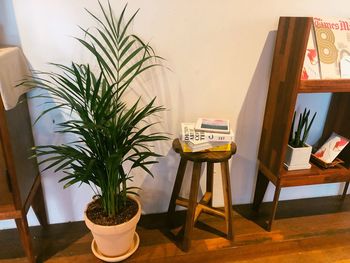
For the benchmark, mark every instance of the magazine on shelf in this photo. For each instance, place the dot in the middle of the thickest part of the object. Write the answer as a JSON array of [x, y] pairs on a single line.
[[213, 125], [311, 67], [331, 148], [189, 133], [332, 41]]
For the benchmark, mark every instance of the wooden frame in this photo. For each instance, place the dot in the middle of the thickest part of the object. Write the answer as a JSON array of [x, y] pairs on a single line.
[[285, 85], [20, 184]]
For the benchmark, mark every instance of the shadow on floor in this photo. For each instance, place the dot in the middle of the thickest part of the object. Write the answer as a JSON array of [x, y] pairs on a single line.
[[295, 208]]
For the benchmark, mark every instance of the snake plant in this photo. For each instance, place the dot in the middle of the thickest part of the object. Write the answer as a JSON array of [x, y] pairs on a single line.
[[298, 137]]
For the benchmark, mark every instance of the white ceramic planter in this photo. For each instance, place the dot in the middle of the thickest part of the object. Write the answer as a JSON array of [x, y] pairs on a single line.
[[114, 241], [298, 158]]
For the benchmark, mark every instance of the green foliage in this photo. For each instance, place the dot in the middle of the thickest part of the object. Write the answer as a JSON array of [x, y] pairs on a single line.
[[298, 137], [110, 135]]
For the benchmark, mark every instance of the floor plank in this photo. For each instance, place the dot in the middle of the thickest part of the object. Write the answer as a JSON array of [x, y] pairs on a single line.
[[307, 230]]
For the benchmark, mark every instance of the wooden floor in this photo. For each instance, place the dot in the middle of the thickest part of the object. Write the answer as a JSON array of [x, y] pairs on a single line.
[[309, 230]]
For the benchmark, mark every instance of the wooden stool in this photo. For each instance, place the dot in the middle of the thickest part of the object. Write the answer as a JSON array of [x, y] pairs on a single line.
[[194, 208]]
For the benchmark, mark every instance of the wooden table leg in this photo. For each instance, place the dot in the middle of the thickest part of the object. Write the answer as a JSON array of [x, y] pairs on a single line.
[[38, 206], [225, 173], [192, 203], [260, 189], [274, 206], [345, 190], [176, 190], [210, 181], [23, 230]]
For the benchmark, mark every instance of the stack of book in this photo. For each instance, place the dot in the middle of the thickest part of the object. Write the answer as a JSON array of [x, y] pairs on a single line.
[[206, 135]]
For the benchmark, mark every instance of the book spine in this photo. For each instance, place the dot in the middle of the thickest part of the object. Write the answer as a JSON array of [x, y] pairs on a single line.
[[221, 148], [218, 137], [192, 135], [188, 133], [206, 137]]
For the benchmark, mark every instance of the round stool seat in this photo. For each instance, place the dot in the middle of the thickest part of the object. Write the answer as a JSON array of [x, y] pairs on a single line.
[[213, 157]]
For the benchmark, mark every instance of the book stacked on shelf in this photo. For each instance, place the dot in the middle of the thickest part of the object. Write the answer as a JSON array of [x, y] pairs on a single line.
[[210, 135]]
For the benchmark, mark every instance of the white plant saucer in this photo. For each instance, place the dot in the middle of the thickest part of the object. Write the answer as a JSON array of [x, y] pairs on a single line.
[[297, 167], [98, 254]]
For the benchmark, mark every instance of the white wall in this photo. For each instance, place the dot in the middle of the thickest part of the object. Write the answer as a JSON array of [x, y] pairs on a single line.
[[8, 26], [220, 56]]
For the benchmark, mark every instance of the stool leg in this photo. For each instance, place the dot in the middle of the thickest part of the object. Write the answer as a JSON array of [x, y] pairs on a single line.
[[192, 203], [23, 230], [227, 198], [176, 190], [210, 181], [274, 206], [345, 190]]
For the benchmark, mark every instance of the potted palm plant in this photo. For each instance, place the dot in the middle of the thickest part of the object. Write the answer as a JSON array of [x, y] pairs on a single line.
[[111, 137], [298, 152]]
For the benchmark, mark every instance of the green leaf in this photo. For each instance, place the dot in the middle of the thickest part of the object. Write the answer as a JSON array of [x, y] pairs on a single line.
[[107, 131]]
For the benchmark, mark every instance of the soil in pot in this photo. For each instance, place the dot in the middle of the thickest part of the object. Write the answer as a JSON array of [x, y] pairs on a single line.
[[96, 214]]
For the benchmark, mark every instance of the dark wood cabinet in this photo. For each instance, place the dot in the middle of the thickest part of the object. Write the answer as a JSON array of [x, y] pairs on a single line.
[[285, 85]]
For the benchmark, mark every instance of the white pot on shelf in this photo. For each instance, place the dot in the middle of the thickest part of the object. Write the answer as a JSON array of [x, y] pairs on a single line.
[[117, 242], [298, 158]]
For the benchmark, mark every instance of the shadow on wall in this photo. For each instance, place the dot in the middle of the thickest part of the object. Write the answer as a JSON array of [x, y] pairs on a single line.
[[2, 32], [155, 192], [249, 125], [8, 25], [62, 204]]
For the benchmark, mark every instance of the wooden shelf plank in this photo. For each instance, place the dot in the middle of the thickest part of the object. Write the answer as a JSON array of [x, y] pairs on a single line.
[[324, 85], [314, 175], [9, 212], [316, 170]]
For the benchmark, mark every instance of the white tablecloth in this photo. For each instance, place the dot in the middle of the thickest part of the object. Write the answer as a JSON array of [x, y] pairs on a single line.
[[13, 69]]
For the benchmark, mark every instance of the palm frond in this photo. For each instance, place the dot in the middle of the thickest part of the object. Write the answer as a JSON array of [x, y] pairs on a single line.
[[107, 131]]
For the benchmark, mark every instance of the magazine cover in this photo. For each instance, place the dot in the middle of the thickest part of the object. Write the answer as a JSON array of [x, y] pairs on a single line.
[[331, 148], [311, 68], [332, 41]]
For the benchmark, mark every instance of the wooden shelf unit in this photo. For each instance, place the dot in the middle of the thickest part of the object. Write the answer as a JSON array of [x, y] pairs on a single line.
[[284, 87], [20, 185]]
